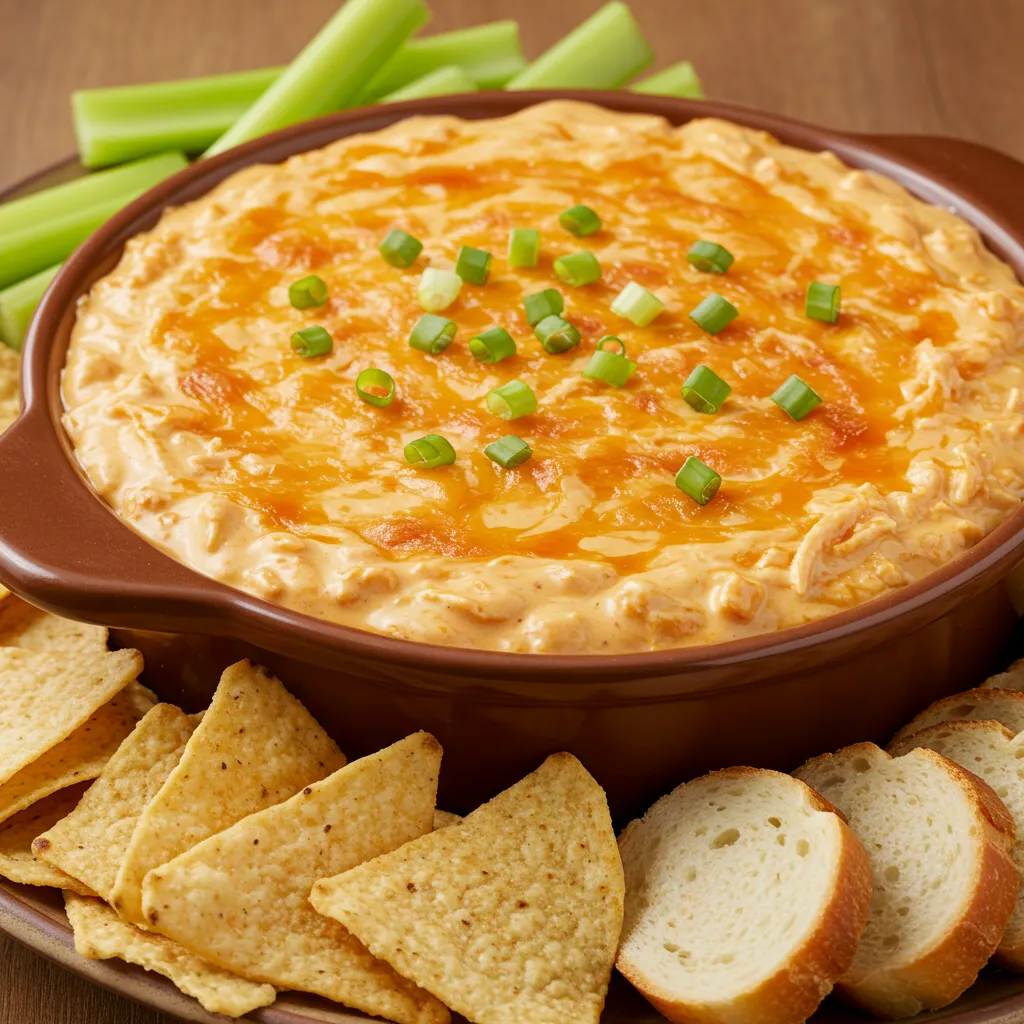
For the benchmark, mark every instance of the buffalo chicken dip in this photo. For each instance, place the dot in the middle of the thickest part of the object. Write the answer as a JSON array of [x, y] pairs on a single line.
[[571, 381]]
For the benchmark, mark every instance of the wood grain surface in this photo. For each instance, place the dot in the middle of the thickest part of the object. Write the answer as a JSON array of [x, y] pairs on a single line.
[[927, 66]]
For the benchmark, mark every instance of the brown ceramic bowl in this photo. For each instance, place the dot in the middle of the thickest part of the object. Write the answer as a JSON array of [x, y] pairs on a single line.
[[642, 722]]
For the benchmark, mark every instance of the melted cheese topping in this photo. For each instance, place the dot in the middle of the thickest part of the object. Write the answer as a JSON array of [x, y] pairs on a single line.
[[198, 424]]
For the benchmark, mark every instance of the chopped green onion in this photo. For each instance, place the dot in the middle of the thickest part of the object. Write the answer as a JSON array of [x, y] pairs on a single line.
[[580, 221], [492, 346], [578, 269], [429, 452], [636, 303], [439, 82], [312, 341], [473, 265], [676, 80], [18, 303], [512, 400], [332, 68], [697, 480], [610, 367], [714, 313], [308, 293], [375, 387], [432, 334], [823, 302], [705, 390], [509, 451], [556, 335], [709, 257], [523, 247], [796, 398], [438, 289], [400, 249], [539, 305]]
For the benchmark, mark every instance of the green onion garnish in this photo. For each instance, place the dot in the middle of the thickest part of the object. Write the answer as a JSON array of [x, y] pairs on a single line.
[[375, 387], [710, 257], [429, 452], [823, 302], [636, 303], [610, 367], [473, 265], [309, 292], [312, 341], [400, 249], [580, 221], [796, 398], [578, 268], [492, 346], [538, 305], [556, 335], [512, 400], [705, 390], [432, 334], [509, 451], [438, 289], [523, 247], [714, 313], [697, 480]]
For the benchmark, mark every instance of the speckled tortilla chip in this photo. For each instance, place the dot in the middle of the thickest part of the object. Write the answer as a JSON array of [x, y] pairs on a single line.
[[513, 917], [17, 861], [256, 746], [442, 819], [90, 843], [10, 402], [101, 935], [240, 898], [81, 756], [44, 698], [22, 625]]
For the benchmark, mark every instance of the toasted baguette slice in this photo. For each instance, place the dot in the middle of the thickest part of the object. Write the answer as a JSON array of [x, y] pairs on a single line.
[[940, 846], [745, 896], [985, 704], [992, 752], [1011, 679]]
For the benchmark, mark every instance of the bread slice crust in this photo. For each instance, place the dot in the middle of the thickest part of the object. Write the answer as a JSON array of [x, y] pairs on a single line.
[[806, 973], [983, 704]]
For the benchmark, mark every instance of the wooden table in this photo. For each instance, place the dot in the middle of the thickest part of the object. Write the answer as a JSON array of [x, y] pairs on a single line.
[[927, 66]]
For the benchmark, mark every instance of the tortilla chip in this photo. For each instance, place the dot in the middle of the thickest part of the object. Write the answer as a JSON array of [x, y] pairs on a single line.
[[101, 935], [31, 629], [90, 843], [240, 899], [10, 402], [44, 698], [256, 746], [442, 819], [81, 756], [17, 862], [511, 918]]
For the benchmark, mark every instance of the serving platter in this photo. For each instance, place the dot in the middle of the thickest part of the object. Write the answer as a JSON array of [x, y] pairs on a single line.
[[35, 916]]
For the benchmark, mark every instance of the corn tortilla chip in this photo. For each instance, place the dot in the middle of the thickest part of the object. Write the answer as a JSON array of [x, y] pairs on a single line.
[[81, 756], [44, 698], [10, 403], [511, 918], [241, 898], [30, 628], [17, 861], [101, 935], [256, 746], [90, 843]]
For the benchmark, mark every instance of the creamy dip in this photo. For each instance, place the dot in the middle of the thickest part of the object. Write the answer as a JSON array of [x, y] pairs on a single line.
[[199, 425]]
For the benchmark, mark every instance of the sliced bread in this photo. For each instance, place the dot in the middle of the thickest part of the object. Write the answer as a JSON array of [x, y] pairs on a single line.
[[745, 896], [1011, 679], [985, 704], [940, 844], [992, 752]]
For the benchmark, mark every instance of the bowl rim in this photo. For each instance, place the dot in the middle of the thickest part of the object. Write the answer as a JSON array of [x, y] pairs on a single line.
[[210, 606]]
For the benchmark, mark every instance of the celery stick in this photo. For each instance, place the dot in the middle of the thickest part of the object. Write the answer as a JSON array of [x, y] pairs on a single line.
[[441, 82], [676, 80], [120, 124], [18, 303], [42, 229], [489, 54], [328, 73], [605, 52]]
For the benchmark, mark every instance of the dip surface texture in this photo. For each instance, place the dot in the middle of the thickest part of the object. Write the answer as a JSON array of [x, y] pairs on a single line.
[[195, 420]]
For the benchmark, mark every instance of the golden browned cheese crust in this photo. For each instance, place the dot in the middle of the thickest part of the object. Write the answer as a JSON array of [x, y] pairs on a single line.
[[197, 423]]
